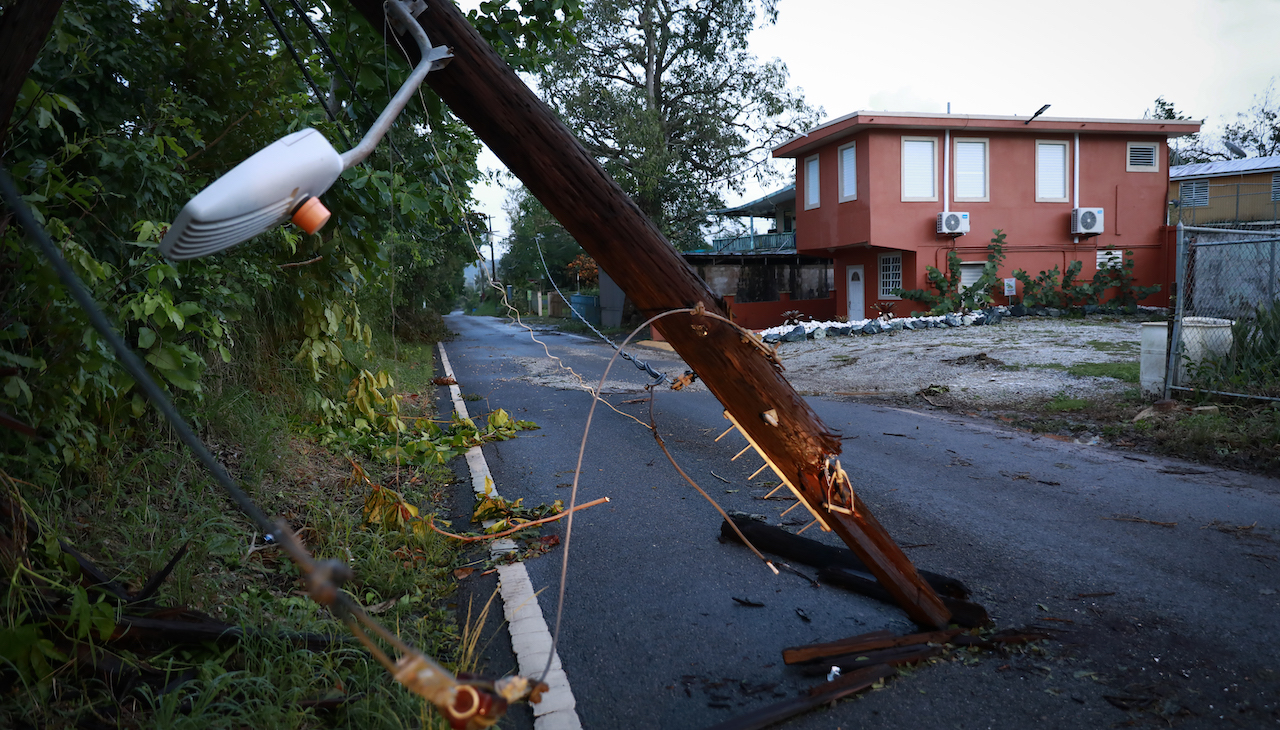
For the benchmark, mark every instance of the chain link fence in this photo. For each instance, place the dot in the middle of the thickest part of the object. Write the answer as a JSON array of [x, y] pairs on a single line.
[[1225, 334]]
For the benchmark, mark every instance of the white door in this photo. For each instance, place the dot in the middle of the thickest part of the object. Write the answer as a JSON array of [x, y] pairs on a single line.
[[856, 293]]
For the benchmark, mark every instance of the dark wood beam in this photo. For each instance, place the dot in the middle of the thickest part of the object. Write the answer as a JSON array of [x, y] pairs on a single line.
[[24, 26], [485, 93]]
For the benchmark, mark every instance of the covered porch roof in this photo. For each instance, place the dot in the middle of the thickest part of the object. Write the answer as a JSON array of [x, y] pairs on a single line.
[[765, 207]]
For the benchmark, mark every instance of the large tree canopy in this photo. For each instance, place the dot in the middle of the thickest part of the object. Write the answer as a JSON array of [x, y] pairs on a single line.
[[667, 94]]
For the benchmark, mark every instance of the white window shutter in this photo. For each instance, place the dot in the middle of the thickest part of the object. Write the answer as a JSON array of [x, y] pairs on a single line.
[[1275, 186], [848, 173], [812, 189], [1051, 171], [970, 273], [917, 169], [971, 169]]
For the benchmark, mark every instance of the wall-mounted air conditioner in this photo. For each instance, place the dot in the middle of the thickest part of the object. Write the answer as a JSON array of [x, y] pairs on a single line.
[[953, 223], [1086, 221]]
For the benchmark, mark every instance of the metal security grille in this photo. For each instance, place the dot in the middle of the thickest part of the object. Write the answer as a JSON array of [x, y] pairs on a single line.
[[1226, 327]]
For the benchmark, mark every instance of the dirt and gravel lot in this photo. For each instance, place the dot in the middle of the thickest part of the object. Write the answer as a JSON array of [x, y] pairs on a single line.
[[1016, 363]]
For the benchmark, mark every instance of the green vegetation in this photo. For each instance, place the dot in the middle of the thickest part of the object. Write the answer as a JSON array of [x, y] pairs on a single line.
[[1062, 290], [1126, 371], [1061, 404], [304, 361], [949, 295], [671, 101], [1116, 347]]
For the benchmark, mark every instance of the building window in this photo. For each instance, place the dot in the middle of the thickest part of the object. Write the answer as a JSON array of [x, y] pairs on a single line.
[[848, 172], [970, 272], [812, 186], [919, 163], [890, 274], [971, 170], [1110, 258], [1275, 186], [1195, 193], [1142, 157], [1051, 172]]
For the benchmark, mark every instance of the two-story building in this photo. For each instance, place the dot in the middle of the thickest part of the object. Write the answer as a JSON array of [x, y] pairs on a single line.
[[886, 194]]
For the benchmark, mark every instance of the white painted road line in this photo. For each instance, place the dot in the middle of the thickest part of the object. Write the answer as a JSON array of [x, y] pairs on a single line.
[[530, 638]]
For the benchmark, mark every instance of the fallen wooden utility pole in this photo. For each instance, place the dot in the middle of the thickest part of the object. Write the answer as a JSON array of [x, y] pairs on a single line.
[[486, 94]]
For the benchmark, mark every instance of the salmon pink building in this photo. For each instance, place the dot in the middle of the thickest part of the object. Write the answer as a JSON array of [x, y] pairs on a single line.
[[886, 194]]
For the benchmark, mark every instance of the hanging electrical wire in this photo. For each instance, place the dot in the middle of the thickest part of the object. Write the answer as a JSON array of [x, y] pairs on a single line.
[[658, 377], [306, 74]]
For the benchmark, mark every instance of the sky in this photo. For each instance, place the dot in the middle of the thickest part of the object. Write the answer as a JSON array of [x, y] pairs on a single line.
[[1089, 58]]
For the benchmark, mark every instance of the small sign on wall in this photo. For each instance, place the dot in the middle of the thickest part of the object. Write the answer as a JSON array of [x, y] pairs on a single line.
[[1010, 287]]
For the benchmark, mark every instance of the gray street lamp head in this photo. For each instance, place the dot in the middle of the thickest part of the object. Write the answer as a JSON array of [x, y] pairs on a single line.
[[281, 181], [285, 180], [1235, 149]]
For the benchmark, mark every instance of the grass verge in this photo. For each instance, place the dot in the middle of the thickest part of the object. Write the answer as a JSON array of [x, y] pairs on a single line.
[[66, 658]]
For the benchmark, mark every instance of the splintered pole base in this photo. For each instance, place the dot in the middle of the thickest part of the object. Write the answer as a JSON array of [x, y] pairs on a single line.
[[529, 138]]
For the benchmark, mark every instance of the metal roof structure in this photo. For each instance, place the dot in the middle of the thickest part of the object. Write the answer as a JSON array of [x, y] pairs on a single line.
[[1224, 168], [761, 207]]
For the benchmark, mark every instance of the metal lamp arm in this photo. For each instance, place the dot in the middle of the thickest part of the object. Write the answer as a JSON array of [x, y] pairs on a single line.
[[433, 57]]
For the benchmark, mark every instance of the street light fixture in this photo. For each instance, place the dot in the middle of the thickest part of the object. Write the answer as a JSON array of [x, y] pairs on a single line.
[[286, 179]]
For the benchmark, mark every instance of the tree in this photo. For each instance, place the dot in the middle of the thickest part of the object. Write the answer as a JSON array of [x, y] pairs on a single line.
[[1256, 130], [1182, 150], [129, 110], [535, 237], [667, 95]]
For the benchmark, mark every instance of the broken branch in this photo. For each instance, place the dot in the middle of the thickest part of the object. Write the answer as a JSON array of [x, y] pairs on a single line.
[[521, 526]]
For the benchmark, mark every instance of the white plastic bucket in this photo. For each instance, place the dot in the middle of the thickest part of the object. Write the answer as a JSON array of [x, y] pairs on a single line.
[[1202, 337]]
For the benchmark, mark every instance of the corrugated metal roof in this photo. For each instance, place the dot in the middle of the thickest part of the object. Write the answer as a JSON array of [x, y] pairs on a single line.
[[1223, 168]]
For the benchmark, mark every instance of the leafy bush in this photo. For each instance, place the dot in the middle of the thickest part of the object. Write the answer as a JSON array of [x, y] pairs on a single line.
[[1054, 288], [948, 294]]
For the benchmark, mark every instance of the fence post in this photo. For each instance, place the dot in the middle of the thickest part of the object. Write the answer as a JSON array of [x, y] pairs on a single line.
[[1271, 280], [1175, 327]]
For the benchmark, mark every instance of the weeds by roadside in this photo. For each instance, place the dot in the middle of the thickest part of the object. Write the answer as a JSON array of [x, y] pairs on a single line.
[[66, 654], [1236, 435]]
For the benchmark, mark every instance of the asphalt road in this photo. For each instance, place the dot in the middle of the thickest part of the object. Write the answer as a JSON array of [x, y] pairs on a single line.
[[1157, 625]]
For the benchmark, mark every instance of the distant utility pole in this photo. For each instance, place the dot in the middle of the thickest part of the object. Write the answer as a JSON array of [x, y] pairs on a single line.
[[493, 263]]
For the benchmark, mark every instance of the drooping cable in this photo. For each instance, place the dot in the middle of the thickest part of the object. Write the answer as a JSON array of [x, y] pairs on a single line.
[[306, 74], [658, 377], [333, 59]]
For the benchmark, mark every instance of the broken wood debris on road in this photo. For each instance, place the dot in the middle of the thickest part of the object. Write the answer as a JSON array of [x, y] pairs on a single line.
[[1124, 518], [963, 613], [863, 643], [893, 656], [813, 553], [747, 602], [849, 684]]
